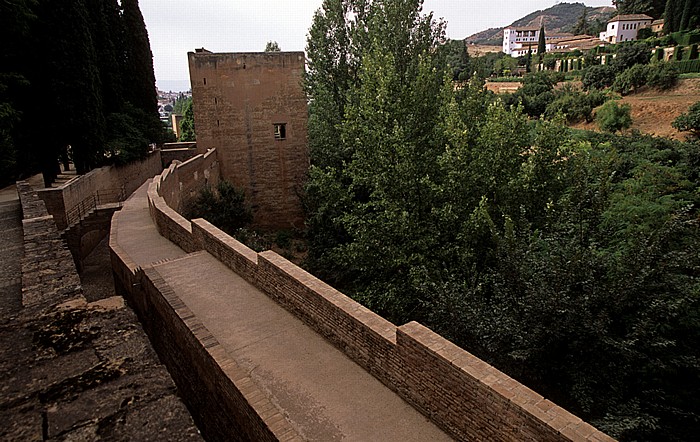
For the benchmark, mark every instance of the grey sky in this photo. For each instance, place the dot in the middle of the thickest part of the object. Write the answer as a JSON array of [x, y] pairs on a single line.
[[178, 26]]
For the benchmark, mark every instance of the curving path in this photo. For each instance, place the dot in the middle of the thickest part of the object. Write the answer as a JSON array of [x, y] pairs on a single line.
[[325, 395]]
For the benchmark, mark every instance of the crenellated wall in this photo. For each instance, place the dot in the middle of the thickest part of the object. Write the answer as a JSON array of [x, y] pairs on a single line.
[[466, 397]]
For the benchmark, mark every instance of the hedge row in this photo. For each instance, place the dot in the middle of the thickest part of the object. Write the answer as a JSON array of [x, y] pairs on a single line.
[[687, 66]]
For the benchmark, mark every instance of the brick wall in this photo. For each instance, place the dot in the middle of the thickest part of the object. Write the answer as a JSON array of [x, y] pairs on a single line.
[[169, 193], [129, 177], [238, 99], [225, 402], [466, 397]]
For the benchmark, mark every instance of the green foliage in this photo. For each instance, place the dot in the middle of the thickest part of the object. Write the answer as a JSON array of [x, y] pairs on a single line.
[[689, 121], [630, 54], [598, 77], [574, 104], [272, 46], [568, 261], [632, 79], [687, 66], [663, 76], [612, 117], [654, 8], [541, 43], [458, 59], [187, 130], [225, 207], [138, 68]]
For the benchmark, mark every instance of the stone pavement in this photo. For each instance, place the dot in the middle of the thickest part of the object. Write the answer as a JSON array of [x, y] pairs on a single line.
[[325, 395], [72, 369]]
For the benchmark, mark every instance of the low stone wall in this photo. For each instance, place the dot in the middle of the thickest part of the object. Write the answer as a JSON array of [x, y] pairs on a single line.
[[128, 178], [460, 393]]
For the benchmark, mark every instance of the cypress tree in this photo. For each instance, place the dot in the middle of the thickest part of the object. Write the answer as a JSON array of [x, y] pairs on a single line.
[[542, 43], [138, 69], [685, 16], [66, 75], [107, 38]]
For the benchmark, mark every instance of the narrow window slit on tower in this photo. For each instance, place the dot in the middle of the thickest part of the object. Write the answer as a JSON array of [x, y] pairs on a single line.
[[280, 131], [205, 80]]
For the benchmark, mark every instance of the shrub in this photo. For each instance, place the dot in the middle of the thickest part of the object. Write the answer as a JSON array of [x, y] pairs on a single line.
[[678, 53], [631, 79], [689, 121], [629, 55], [612, 117], [663, 77], [598, 77], [225, 207], [659, 54], [693, 53]]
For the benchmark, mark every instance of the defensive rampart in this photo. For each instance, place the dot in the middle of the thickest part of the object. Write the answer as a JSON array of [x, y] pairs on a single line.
[[463, 395], [110, 181]]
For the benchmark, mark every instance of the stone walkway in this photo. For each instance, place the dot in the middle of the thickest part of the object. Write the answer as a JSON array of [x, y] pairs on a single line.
[[73, 369], [325, 395]]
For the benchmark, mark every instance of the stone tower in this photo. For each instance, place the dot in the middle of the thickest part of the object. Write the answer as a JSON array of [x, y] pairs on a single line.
[[252, 108]]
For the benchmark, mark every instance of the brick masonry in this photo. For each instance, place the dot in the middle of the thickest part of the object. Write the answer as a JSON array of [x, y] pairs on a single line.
[[463, 395], [238, 99]]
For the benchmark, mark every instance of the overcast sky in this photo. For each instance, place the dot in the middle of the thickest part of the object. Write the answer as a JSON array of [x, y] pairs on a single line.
[[176, 27]]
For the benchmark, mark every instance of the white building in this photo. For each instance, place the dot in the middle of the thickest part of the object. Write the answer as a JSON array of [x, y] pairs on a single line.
[[625, 27], [519, 41]]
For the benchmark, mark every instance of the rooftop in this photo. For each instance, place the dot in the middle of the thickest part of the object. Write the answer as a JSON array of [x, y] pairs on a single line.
[[630, 17]]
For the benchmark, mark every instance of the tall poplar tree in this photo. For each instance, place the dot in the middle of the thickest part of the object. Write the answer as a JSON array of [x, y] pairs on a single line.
[[542, 43]]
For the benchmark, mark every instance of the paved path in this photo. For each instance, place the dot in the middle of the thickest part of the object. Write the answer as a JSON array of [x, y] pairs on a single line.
[[325, 395], [11, 253]]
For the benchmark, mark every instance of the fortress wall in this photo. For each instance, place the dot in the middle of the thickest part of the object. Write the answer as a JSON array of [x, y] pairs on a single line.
[[227, 250], [169, 193], [222, 398], [465, 396], [129, 177]]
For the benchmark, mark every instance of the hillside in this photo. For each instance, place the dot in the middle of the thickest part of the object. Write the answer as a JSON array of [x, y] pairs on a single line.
[[558, 18]]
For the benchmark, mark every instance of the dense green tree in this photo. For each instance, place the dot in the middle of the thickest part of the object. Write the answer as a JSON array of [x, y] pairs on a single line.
[[612, 117], [272, 46], [689, 121], [187, 130], [542, 42], [629, 55], [581, 26], [15, 21], [653, 8], [224, 206], [107, 37], [598, 77], [138, 64], [66, 74], [458, 59]]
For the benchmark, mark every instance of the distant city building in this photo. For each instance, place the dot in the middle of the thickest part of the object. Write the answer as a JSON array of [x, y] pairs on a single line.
[[519, 41], [625, 27]]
